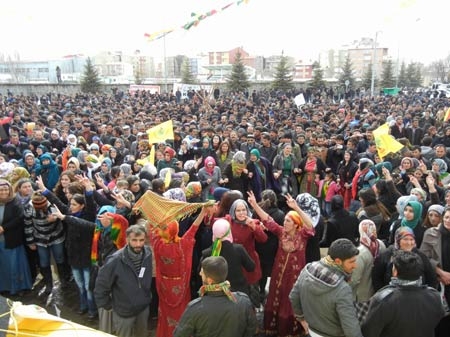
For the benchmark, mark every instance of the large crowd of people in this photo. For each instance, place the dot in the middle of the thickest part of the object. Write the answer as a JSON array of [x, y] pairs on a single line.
[[250, 177]]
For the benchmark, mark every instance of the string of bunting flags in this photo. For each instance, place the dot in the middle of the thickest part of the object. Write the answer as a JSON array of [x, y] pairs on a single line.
[[194, 22]]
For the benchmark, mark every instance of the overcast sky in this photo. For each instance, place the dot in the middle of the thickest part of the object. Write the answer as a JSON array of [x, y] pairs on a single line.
[[414, 30]]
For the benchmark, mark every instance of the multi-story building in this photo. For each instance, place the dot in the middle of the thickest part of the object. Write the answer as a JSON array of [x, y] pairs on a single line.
[[362, 53]]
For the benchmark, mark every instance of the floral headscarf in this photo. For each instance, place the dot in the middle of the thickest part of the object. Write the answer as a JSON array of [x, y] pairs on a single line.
[[368, 236]]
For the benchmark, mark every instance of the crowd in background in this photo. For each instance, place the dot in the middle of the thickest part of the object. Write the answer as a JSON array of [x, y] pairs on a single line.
[[286, 181]]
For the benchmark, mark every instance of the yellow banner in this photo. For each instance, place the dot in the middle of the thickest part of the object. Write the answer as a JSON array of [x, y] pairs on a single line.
[[385, 142], [161, 132]]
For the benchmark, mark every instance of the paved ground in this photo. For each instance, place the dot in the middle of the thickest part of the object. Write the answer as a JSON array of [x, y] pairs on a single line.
[[63, 303]]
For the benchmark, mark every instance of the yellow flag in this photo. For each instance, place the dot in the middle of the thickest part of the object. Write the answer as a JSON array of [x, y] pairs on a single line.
[[161, 132], [385, 142], [168, 178], [447, 115], [150, 159]]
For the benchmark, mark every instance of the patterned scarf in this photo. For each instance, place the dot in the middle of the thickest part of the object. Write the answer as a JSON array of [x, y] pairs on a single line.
[[116, 232], [224, 286], [327, 260], [159, 211]]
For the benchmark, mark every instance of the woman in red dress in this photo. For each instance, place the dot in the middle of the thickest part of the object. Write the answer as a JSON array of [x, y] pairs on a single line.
[[279, 319], [173, 257]]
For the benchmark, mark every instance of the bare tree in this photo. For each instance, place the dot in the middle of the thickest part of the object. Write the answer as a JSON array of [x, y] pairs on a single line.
[[439, 70]]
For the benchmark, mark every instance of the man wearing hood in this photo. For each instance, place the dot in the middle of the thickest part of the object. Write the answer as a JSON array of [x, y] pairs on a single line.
[[322, 298]]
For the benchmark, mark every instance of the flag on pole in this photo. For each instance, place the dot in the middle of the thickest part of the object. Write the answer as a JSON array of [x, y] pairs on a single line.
[[161, 132], [385, 142]]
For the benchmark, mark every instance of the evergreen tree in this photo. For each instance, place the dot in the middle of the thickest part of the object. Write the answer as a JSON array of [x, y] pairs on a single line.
[[282, 77], [90, 82], [317, 79], [414, 75], [402, 79], [367, 78], [186, 74], [238, 79], [410, 74], [387, 78], [347, 74], [418, 77]]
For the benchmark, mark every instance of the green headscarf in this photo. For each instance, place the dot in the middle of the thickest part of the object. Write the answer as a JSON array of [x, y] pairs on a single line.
[[256, 153], [417, 208]]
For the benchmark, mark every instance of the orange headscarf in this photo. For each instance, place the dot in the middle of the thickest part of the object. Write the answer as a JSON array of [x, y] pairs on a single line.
[[296, 218], [170, 232]]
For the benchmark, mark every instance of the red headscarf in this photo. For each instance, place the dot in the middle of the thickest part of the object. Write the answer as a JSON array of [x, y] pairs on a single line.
[[209, 160]]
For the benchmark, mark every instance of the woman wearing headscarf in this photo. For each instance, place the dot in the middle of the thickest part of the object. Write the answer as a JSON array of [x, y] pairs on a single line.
[[17, 174], [173, 258], [364, 178], [382, 268], [373, 209], [361, 282], [412, 218], [436, 246], [169, 161], [205, 151], [16, 276], [290, 259], [210, 177], [260, 175], [440, 167], [434, 216], [237, 257], [311, 207], [235, 176], [49, 171]]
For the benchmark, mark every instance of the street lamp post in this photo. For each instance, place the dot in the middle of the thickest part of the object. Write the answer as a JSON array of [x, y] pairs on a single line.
[[374, 64]]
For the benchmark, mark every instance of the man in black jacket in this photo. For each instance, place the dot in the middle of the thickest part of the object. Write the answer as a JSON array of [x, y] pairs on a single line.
[[218, 311], [123, 284], [405, 307]]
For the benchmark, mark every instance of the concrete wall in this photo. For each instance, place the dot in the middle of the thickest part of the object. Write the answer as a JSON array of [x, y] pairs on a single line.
[[65, 89], [72, 89]]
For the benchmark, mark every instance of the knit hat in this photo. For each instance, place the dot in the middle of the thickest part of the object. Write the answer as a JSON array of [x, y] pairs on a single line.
[[436, 208], [39, 201]]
